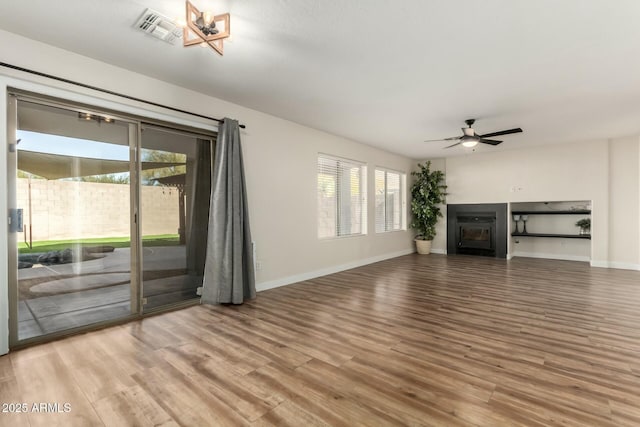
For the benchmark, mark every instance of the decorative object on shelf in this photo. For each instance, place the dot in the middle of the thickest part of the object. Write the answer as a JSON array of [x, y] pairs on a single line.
[[585, 226], [524, 218], [205, 28], [516, 218], [525, 213], [427, 194]]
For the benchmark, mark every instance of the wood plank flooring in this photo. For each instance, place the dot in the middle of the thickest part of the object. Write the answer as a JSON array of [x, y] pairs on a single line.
[[417, 340]]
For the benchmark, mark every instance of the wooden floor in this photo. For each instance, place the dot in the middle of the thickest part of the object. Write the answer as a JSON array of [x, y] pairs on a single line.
[[417, 340]]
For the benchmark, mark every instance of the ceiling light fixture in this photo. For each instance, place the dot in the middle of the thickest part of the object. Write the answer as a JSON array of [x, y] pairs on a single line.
[[98, 119], [469, 141], [207, 28]]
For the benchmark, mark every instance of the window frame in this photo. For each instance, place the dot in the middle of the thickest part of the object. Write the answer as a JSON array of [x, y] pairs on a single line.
[[363, 198], [403, 200]]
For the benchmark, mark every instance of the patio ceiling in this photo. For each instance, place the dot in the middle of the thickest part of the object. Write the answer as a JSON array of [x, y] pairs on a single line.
[[56, 166]]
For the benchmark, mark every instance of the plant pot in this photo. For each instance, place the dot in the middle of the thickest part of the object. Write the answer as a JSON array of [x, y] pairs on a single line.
[[423, 246], [584, 230]]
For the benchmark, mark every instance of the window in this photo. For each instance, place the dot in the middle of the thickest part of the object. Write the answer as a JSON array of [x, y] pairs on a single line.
[[390, 201], [342, 200]]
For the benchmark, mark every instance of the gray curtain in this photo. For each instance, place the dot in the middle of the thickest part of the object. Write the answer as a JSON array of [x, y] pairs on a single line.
[[228, 273], [198, 191]]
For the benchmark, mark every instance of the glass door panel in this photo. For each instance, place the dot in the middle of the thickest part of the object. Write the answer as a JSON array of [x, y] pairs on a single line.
[[72, 176], [174, 207]]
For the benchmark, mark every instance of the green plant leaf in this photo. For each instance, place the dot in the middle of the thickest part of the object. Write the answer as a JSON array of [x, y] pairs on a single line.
[[428, 193]]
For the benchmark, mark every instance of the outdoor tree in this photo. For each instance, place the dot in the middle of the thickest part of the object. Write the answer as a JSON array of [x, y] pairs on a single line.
[[158, 156]]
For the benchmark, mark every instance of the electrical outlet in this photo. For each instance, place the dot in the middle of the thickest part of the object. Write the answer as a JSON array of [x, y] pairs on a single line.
[[258, 265]]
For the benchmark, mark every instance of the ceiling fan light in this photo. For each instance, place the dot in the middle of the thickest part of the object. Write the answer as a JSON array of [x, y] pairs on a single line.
[[469, 141], [469, 144]]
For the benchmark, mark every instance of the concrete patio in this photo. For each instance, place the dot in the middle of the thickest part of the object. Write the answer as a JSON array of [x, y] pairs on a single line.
[[83, 293]]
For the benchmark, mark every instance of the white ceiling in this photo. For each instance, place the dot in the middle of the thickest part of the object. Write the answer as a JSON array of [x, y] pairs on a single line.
[[388, 74]]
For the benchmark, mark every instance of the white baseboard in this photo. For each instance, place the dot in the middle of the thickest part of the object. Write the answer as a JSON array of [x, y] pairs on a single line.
[[614, 264], [564, 257], [600, 264], [342, 267], [330, 270]]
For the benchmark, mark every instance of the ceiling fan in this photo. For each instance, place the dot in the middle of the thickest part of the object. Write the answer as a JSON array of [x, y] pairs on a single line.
[[470, 138]]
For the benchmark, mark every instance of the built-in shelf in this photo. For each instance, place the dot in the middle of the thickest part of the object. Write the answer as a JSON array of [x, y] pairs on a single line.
[[562, 236], [550, 229], [555, 212], [565, 212]]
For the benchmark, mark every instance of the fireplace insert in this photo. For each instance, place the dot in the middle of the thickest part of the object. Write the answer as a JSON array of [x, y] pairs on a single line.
[[476, 235], [477, 230]]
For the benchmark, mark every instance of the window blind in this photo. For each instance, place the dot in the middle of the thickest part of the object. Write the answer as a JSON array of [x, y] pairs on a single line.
[[389, 200], [342, 204]]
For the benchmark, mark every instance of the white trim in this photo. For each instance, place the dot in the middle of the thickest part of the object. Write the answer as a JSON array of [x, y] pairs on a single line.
[[4, 237], [600, 264], [624, 265], [615, 264], [438, 251], [98, 99], [330, 270], [386, 169], [563, 257], [341, 159]]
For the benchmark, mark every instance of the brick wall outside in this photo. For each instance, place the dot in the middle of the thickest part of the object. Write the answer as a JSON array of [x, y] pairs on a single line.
[[78, 210]]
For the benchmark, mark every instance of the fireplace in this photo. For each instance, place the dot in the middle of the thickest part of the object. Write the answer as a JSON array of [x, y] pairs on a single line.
[[475, 235], [477, 230]]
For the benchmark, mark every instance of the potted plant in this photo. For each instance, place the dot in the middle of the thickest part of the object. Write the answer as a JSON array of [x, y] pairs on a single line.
[[585, 225], [427, 194]]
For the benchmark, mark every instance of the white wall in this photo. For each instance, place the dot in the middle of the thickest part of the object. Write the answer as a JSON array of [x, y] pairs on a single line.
[[281, 174], [280, 160], [624, 202], [606, 172]]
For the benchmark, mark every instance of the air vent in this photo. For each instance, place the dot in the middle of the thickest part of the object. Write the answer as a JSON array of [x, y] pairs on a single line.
[[159, 26]]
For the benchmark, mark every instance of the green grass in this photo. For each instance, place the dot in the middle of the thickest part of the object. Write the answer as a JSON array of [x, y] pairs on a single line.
[[116, 242]]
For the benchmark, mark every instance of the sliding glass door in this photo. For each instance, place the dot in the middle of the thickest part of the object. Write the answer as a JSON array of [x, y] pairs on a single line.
[[71, 211], [108, 217], [174, 211]]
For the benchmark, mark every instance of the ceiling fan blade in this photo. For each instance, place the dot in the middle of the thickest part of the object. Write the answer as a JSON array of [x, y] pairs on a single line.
[[453, 145], [502, 132], [490, 141], [453, 138]]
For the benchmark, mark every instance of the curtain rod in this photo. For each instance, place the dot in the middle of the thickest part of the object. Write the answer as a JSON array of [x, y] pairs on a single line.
[[110, 92]]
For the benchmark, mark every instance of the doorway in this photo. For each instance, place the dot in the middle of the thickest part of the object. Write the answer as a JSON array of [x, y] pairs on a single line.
[[174, 210], [107, 215]]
